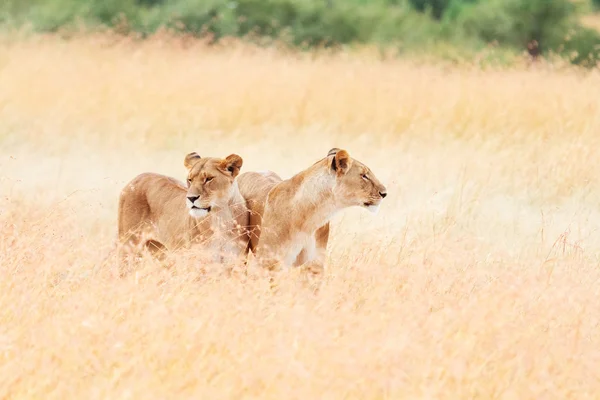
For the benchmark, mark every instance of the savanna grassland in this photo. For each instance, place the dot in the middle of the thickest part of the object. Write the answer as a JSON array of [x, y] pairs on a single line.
[[479, 277]]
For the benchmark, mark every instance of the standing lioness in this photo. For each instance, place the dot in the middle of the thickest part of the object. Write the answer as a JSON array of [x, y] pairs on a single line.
[[159, 212], [290, 218]]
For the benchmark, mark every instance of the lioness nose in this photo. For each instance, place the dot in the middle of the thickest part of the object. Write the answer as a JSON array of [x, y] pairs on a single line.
[[383, 194], [193, 199]]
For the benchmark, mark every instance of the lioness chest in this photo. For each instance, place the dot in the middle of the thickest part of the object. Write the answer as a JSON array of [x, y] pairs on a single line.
[[221, 236], [302, 248]]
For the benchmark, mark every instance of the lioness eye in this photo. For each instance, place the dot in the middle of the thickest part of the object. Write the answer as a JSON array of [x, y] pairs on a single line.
[[208, 180], [365, 177]]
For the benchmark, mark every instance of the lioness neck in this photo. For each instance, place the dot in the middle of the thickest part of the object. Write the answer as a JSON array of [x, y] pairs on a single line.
[[314, 199], [229, 211]]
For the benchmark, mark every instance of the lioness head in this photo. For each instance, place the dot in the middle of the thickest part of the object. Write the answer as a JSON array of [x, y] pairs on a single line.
[[356, 184], [210, 182]]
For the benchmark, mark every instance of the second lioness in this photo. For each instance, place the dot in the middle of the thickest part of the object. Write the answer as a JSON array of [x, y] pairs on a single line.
[[290, 218], [161, 213]]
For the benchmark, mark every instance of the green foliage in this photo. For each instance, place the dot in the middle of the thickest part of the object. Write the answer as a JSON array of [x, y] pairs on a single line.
[[457, 7], [519, 23], [466, 25], [436, 7], [544, 21], [301, 23], [440, 8], [52, 15], [150, 2], [582, 47]]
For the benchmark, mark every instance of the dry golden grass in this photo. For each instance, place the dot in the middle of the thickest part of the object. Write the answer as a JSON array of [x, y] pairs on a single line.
[[592, 20], [479, 278]]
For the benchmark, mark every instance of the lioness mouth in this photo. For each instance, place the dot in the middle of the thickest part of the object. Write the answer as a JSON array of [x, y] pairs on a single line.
[[368, 204], [207, 209]]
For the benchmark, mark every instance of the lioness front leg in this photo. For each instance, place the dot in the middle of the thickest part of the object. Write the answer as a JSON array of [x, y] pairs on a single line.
[[312, 257]]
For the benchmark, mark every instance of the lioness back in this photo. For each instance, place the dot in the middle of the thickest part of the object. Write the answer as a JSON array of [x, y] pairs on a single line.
[[144, 200], [254, 187]]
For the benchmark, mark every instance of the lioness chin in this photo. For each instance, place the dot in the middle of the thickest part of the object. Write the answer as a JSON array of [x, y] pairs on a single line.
[[289, 219], [160, 213]]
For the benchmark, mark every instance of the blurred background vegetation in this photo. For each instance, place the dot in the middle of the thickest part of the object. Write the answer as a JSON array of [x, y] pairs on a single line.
[[448, 27]]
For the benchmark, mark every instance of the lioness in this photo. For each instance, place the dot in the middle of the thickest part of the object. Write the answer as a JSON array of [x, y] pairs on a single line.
[[290, 218], [160, 213]]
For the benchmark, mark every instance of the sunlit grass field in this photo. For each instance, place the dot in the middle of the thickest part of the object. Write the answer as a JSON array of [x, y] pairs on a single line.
[[479, 277]]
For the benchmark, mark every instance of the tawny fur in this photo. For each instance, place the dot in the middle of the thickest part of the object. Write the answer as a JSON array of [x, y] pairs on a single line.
[[155, 211], [290, 218], [254, 187]]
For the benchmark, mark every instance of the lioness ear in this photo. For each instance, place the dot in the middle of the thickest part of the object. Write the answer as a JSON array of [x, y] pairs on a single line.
[[232, 164], [190, 160], [331, 157], [341, 161], [332, 151]]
